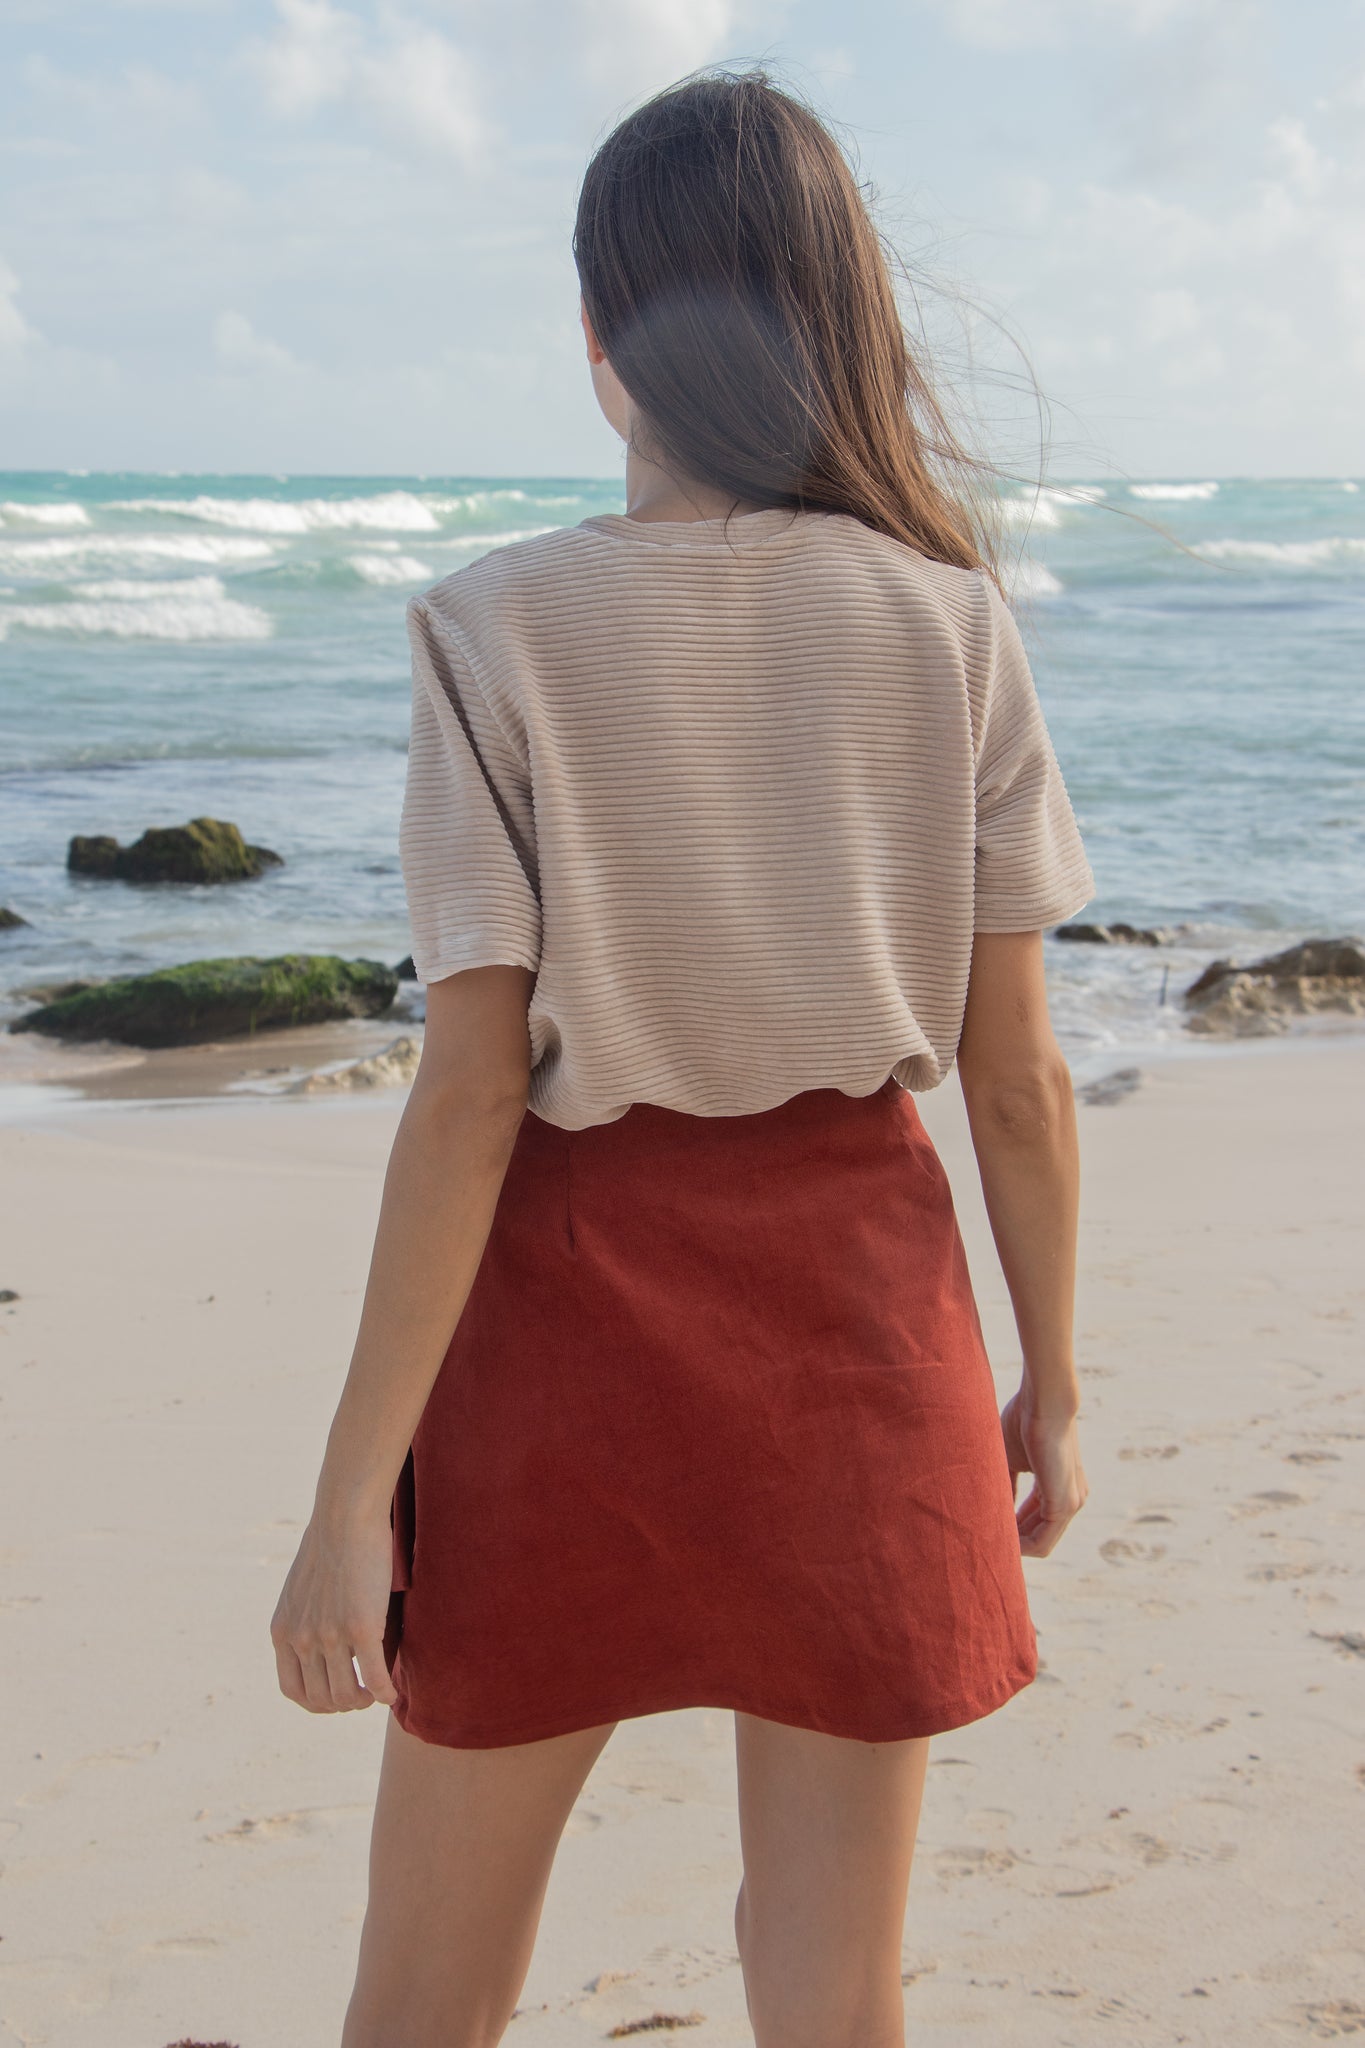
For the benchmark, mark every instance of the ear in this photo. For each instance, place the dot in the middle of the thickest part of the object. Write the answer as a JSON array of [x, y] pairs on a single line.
[[596, 352]]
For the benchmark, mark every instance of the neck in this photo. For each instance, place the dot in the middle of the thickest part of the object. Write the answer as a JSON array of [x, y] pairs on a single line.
[[652, 493]]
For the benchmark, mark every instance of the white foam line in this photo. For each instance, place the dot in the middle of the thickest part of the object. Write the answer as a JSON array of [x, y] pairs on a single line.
[[210, 549], [391, 511], [1173, 491]]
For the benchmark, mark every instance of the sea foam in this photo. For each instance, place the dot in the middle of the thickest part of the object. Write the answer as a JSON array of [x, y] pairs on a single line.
[[390, 569], [1031, 511], [1175, 491], [386, 511], [191, 608], [14, 514], [21, 557], [1031, 579], [1289, 554]]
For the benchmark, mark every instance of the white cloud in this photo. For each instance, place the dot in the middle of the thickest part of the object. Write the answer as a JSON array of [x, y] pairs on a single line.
[[1243, 302], [1304, 169], [15, 333], [423, 84], [638, 46], [417, 83], [312, 58], [238, 347]]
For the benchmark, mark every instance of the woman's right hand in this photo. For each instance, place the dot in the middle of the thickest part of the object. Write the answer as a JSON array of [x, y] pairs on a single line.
[[1049, 1448], [333, 1606]]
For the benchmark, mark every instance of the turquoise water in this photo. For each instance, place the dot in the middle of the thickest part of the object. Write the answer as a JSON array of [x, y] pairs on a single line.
[[174, 645]]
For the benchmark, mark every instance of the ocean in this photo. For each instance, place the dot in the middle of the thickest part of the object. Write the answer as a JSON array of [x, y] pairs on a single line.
[[175, 645]]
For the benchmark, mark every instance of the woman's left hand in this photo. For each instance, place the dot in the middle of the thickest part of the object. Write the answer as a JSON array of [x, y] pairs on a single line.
[[334, 1607]]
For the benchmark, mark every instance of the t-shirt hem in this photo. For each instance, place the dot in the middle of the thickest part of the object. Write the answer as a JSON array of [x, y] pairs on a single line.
[[1032, 915], [497, 953]]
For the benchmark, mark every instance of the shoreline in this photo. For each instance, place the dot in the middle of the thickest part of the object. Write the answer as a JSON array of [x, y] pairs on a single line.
[[52, 1078]]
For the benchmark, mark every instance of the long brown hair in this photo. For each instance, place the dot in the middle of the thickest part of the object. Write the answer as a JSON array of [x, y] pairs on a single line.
[[740, 289]]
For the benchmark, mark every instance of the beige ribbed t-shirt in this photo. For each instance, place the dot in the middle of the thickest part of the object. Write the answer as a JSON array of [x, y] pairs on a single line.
[[738, 792]]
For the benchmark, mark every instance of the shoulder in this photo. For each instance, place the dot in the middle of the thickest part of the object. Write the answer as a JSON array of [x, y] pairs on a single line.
[[960, 592], [504, 580]]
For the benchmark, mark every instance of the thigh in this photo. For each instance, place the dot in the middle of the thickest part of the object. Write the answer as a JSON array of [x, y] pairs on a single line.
[[827, 1829], [460, 1858]]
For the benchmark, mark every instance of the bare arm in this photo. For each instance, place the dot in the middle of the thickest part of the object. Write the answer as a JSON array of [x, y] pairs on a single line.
[[1017, 1089], [441, 1189]]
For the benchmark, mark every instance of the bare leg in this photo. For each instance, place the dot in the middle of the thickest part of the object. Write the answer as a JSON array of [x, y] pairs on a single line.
[[460, 1858], [827, 1828]]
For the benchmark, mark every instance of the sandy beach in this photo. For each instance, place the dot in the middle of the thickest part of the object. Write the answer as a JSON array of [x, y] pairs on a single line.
[[1158, 1842]]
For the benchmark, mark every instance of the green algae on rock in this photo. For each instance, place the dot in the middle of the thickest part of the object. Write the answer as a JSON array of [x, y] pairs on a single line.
[[10, 920], [205, 850], [207, 999]]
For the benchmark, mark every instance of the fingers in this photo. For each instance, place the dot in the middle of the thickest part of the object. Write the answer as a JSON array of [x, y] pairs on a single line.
[[290, 1674], [346, 1690], [374, 1672], [1040, 1531], [323, 1679]]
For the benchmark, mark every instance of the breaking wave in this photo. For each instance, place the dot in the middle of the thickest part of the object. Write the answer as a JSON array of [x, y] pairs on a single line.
[[1031, 579], [14, 514], [385, 569], [1323, 553], [1173, 491], [27, 557], [386, 511], [191, 608]]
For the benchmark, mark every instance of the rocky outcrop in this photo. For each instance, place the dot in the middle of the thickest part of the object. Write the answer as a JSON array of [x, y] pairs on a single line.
[[208, 999], [10, 920], [405, 969], [1114, 934], [205, 850], [1258, 1000], [393, 1066]]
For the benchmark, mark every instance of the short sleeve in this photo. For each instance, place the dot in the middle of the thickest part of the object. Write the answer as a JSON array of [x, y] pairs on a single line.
[[467, 834], [1031, 866]]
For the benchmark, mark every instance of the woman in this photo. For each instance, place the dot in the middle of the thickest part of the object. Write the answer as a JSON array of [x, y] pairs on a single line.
[[731, 820]]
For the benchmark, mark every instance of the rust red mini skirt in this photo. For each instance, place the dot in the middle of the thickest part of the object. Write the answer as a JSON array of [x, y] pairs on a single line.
[[717, 1428]]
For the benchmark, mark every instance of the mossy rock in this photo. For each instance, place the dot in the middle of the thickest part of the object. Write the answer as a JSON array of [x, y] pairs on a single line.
[[208, 999], [10, 920], [205, 850]]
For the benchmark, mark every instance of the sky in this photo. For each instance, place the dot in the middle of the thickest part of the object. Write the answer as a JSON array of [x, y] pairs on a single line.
[[332, 236]]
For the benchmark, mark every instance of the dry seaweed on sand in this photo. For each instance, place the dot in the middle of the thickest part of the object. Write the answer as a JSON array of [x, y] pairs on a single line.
[[657, 2023]]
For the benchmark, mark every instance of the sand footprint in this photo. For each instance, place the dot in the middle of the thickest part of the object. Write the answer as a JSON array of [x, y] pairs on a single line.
[[1348, 1640], [968, 1859], [584, 1820], [276, 1827], [696, 1965], [1332, 2021], [1123, 1550], [1263, 1503]]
